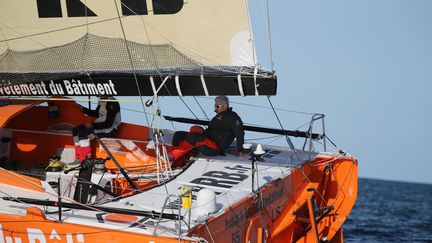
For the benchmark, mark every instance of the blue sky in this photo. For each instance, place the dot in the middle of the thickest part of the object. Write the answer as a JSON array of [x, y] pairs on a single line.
[[367, 65]]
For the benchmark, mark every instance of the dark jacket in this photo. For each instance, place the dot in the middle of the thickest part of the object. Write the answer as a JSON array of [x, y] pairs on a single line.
[[224, 127], [108, 116]]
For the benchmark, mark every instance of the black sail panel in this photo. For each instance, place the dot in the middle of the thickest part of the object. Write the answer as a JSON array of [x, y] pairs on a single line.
[[127, 85]]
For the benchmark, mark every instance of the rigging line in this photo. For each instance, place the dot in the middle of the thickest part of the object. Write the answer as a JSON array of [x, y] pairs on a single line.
[[260, 125], [262, 138], [68, 99], [85, 42], [159, 88], [209, 232], [339, 185], [154, 29], [4, 38], [157, 119], [154, 56], [334, 147], [280, 123], [303, 125], [65, 61], [86, 17], [19, 209], [148, 39], [172, 233], [131, 61], [136, 111], [146, 24], [205, 114], [331, 141], [166, 38], [23, 178], [191, 51], [268, 29], [12, 56], [274, 140], [53, 31], [265, 107], [83, 54], [152, 53], [51, 194], [307, 178], [250, 32], [188, 107], [156, 116]]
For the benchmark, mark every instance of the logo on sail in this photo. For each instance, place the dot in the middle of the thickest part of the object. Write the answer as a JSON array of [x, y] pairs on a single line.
[[76, 8], [64, 87]]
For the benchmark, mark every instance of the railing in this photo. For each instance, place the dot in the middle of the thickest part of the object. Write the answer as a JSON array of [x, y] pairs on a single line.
[[177, 204], [309, 135], [310, 139]]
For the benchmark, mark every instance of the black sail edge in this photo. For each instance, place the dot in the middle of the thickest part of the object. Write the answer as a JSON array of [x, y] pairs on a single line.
[[124, 84]]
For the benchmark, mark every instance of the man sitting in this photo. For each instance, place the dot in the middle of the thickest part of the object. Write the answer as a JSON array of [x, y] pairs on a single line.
[[219, 135]]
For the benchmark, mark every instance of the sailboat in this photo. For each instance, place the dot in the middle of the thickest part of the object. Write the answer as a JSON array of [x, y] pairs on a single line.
[[53, 51]]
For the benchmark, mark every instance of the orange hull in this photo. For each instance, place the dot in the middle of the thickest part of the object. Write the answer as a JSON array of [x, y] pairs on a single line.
[[280, 213], [34, 227], [308, 204], [32, 143], [282, 216]]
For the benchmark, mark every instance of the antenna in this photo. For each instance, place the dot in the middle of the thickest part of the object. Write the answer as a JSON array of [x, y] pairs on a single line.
[[256, 156]]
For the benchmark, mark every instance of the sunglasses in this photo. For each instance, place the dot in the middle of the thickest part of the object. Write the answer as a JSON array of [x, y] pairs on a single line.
[[218, 106]]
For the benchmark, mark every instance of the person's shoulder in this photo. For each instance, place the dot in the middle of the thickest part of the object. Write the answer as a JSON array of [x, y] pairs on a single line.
[[113, 105], [233, 116], [233, 113]]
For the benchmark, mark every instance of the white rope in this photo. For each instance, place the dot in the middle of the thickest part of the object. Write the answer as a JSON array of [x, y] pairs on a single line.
[[267, 22], [204, 85], [153, 85], [209, 232], [131, 61], [4, 37], [177, 83], [240, 85], [75, 202], [250, 32], [159, 88], [255, 78]]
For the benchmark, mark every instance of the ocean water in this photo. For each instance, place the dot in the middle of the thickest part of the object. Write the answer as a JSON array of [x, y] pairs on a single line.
[[390, 211]]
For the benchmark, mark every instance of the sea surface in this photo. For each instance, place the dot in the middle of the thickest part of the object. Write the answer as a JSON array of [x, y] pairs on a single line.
[[390, 211]]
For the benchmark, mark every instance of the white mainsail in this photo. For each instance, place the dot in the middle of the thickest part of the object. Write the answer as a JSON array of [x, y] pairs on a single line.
[[199, 47], [210, 32]]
